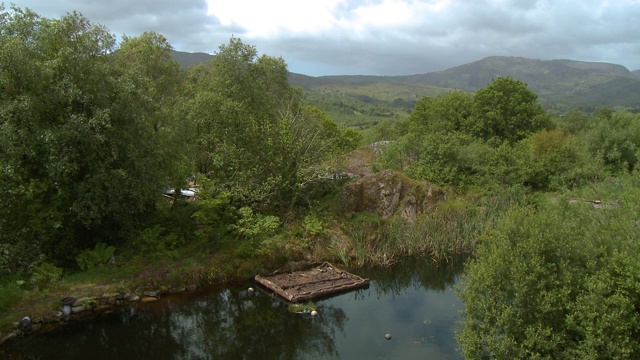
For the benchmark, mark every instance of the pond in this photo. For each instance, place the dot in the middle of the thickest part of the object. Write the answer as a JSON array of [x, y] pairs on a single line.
[[413, 301]]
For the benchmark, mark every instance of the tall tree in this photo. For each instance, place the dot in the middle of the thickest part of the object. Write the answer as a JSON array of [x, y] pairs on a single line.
[[152, 71], [79, 162], [147, 65], [252, 134], [442, 114], [505, 110]]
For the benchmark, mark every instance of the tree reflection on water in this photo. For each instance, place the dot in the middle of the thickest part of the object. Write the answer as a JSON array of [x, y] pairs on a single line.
[[418, 272], [243, 325]]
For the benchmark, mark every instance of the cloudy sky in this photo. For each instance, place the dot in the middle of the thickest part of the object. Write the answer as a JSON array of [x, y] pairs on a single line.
[[379, 37]]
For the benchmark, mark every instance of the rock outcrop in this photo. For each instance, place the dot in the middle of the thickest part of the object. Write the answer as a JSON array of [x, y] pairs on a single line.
[[389, 193]]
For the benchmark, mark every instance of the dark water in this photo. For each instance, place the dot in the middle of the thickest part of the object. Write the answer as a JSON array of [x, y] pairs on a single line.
[[412, 301]]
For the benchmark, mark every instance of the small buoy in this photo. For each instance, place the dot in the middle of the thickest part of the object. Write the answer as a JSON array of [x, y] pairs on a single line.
[[250, 289], [314, 313], [387, 336]]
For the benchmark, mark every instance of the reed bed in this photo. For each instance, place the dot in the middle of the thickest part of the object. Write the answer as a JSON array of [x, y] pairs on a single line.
[[449, 232]]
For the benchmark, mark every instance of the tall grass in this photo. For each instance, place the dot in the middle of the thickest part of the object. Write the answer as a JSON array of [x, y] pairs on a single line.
[[450, 231]]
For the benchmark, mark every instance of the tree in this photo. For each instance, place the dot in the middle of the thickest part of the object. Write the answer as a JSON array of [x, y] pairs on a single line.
[[505, 110], [463, 140], [79, 162], [147, 65], [443, 114], [454, 158], [150, 68], [252, 134]]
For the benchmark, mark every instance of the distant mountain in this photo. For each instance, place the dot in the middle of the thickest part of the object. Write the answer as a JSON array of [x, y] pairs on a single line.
[[560, 84], [186, 60]]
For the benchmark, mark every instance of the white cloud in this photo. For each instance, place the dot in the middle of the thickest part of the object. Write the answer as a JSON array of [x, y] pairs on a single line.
[[276, 17]]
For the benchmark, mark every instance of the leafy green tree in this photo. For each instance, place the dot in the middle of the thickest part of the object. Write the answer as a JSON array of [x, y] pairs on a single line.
[[454, 158], [505, 110], [466, 140], [554, 154], [386, 130], [252, 135], [442, 114], [575, 122], [148, 66], [508, 165], [79, 162]]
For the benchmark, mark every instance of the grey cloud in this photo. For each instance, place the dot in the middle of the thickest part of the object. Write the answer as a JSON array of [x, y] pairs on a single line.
[[184, 23], [466, 31]]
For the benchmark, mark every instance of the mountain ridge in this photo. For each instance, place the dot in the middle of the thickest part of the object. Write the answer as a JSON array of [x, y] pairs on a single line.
[[561, 84]]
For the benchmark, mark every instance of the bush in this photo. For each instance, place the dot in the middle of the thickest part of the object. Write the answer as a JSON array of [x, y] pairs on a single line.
[[454, 158], [615, 138], [45, 274], [558, 282], [99, 256], [252, 229], [156, 242]]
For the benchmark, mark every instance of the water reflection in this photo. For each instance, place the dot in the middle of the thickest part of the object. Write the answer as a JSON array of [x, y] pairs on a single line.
[[413, 301]]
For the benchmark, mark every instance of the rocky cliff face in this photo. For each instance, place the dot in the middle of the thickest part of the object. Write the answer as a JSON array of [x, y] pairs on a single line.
[[389, 193]]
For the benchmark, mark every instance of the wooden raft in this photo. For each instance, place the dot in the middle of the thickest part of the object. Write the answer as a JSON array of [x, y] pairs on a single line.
[[319, 281]]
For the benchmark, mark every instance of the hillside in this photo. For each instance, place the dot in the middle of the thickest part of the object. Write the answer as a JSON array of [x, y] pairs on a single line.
[[363, 101], [187, 60], [560, 84]]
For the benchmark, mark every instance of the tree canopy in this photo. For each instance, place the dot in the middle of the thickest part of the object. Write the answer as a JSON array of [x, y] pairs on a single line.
[[79, 159], [93, 132], [506, 110], [252, 134], [496, 136]]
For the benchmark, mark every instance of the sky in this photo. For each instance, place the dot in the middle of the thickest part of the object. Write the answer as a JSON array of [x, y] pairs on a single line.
[[378, 37]]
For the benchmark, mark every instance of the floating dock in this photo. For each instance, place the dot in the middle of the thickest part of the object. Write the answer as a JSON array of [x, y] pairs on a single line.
[[319, 281]]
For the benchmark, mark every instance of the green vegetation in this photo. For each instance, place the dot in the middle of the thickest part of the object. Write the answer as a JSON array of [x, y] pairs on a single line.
[[363, 104], [94, 132], [559, 280], [553, 274], [99, 256]]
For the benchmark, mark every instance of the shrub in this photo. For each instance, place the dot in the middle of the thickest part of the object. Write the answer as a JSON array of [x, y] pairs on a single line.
[[561, 281], [100, 255], [155, 242], [45, 274], [252, 229]]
